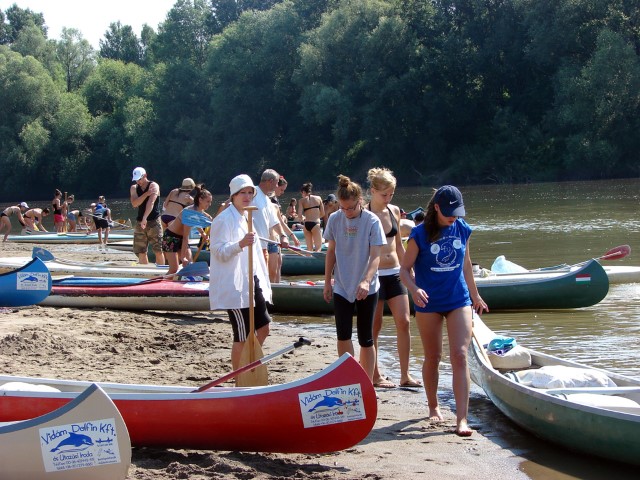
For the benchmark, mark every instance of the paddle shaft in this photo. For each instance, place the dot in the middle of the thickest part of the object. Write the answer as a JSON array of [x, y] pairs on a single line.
[[251, 299], [295, 249], [250, 366], [482, 350]]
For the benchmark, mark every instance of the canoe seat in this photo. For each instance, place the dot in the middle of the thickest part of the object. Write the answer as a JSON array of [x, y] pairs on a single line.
[[609, 402], [26, 387], [560, 376]]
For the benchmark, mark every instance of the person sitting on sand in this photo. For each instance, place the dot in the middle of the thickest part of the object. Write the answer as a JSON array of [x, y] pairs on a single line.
[[5, 217], [33, 219], [437, 270]]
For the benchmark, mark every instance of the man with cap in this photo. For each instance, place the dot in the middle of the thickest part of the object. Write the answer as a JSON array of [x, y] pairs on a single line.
[[229, 276], [5, 221], [145, 196], [330, 206], [437, 271], [266, 218]]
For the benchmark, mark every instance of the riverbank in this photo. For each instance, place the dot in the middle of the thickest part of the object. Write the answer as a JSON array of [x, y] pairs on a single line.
[[191, 349]]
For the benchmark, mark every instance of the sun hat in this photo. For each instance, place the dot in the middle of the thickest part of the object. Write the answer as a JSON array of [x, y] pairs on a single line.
[[138, 173], [188, 184], [24, 205], [450, 201], [240, 182]]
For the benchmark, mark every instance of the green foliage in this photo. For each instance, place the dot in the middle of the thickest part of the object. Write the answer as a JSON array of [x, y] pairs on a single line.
[[441, 91], [120, 43], [76, 56]]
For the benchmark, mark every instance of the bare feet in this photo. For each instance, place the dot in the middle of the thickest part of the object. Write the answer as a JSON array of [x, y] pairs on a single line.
[[463, 430], [435, 416]]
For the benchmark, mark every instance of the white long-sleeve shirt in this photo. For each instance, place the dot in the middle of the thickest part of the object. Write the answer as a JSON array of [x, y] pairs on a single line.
[[229, 271]]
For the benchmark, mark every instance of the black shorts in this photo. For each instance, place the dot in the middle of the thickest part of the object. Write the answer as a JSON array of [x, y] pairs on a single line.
[[391, 286], [239, 317], [101, 223], [364, 309]]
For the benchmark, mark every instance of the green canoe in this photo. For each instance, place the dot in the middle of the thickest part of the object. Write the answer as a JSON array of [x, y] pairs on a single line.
[[580, 286], [601, 421]]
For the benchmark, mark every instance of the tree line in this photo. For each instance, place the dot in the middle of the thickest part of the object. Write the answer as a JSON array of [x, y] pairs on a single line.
[[469, 92]]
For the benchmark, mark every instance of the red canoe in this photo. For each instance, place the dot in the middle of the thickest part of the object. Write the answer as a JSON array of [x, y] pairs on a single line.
[[146, 295], [329, 411]]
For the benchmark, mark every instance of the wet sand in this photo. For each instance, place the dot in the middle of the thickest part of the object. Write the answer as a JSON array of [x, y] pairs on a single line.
[[192, 349]]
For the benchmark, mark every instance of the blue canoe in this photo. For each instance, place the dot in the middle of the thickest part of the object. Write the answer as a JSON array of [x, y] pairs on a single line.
[[26, 285]]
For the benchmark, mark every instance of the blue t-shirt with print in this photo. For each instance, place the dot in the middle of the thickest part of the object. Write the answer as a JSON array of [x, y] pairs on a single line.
[[438, 267]]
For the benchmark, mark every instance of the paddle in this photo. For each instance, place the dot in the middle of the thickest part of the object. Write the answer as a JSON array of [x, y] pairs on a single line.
[[297, 249], [615, 253], [261, 361], [252, 349], [46, 256], [193, 218], [475, 338]]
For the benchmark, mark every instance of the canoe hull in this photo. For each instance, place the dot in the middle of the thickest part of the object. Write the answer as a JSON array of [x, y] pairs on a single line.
[[88, 269], [579, 287], [592, 430], [329, 411], [27, 285], [64, 238], [562, 291], [43, 447]]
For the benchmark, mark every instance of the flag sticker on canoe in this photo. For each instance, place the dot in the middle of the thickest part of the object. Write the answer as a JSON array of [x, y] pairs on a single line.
[[583, 278], [332, 405], [32, 281], [79, 445]]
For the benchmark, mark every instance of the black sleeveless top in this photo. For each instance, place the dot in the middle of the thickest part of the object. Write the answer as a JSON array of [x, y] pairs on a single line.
[[155, 212]]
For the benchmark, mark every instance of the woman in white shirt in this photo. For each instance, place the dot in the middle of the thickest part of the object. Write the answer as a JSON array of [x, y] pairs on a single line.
[[229, 276]]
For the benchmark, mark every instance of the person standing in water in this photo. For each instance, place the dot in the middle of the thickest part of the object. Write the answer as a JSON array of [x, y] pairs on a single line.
[[382, 188], [443, 288]]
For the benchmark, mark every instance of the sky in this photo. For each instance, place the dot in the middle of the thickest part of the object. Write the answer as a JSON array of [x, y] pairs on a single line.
[[93, 17]]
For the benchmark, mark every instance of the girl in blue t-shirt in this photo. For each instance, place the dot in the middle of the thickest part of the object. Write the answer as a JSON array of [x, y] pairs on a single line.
[[443, 287]]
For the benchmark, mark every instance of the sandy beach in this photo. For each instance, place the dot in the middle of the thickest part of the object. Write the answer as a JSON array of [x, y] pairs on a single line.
[[191, 349]]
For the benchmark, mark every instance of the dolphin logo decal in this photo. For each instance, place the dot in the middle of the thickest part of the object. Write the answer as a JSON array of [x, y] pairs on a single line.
[[328, 402], [75, 442]]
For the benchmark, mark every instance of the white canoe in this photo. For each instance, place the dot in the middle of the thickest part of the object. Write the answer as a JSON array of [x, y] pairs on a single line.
[[84, 439], [556, 399], [88, 269], [65, 238]]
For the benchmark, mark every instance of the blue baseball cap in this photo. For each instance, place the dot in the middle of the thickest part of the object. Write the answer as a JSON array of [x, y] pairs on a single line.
[[450, 201]]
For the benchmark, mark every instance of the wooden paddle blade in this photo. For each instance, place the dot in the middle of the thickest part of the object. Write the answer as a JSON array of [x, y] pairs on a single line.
[[616, 253], [255, 377]]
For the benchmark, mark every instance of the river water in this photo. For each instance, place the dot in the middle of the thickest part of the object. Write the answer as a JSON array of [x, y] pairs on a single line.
[[534, 226]]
